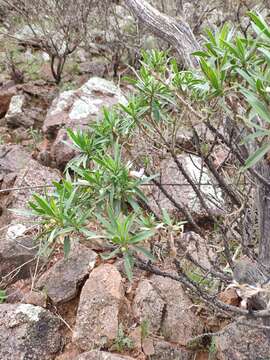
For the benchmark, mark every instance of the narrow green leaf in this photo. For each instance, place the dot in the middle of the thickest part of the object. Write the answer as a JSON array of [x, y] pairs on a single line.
[[200, 54], [145, 252], [256, 156], [111, 254], [255, 135], [128, 264], [141, 236], [67, 246], [261, 109]]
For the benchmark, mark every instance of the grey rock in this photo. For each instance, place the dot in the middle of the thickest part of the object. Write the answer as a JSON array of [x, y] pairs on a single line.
[[197, 247], [60, 152], [63, 279], [99, 308], [101, 355], [17, 248], [184, 194], [16, 117], [28, 332], [75, 109], [12, 159], [148, 306], [240, 342], [167, 309], [167, 351], [179, 321]]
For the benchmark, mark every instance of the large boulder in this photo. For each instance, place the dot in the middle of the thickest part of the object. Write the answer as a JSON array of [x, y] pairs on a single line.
[[75, 109], [17, 247], [181, 191], [62, 281], [28, 332], [100, 305], [239, 342], [164, 306]]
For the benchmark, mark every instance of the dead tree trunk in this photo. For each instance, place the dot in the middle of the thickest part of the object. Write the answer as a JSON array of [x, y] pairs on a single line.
[[176, 33]]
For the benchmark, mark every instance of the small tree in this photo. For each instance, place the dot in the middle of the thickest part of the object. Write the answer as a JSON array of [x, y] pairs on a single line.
[[56, 26]]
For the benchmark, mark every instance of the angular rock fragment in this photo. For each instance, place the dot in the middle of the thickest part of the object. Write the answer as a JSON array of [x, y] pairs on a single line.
[[99, 309], [61, 282]]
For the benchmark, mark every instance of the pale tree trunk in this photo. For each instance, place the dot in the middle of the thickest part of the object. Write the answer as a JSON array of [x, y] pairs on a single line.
[[176, 32]]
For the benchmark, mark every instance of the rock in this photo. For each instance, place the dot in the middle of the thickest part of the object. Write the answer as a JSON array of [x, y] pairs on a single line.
[[74, 109], [28, 332], [94, 68], [4, 134], [29, 33], [77, 107], [179, 322], [230, 297], [60, 152], [16, 246], [148, 346], [69, 354], [16, 257], [12, 159], [31, 176], [135, 335], [28, 109], [15, 293], [100, 304], [163, 304], [184, 194], [197, 247], [35, 298], [167, 351], [240, 342], [16, 117], [101, 355], [149, 306], [61, 282], [7, 91]]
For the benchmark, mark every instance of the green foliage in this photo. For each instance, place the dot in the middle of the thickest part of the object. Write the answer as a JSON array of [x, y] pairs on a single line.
[[231, 64], [66, 86], [3, 296], [36, 136], [87, 143], [170, 224], [212, 349], [111, 181], [122, 341], [73, 68], [63, 212], [199, 279], [100, 181], [144, 329], [234, 70], [126, 236]]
